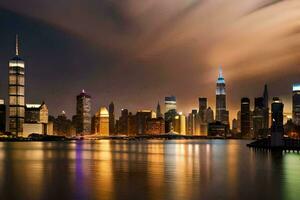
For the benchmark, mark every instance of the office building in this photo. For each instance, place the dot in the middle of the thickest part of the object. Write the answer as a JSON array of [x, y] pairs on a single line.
[[16, 93], [158, 111], [155, 126], [222, 115], [123, 122], [102, 122], [245, 117], [179, 124], [111, 110], [83, 114], [277, 129], [170, 103], [296, 104]]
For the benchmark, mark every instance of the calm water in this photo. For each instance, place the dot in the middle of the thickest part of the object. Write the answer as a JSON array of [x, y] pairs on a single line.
[[155, 169]]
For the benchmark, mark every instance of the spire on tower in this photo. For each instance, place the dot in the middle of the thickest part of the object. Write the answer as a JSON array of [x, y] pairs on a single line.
[[17, 45], [220, 72]]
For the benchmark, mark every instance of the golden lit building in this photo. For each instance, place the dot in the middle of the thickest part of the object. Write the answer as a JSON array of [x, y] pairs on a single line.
[[179, 124], [102, 122]]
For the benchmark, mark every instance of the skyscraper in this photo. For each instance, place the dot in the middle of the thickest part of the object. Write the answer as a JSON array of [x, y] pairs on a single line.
[[2, 116], [83, 114], [202, 103], [16, 93], [222, 114], [102, 122], [296, 104], [245, 117], [158, 111], [266, 106], [170, 105], [111, 110], [277, 122], [259, 126]]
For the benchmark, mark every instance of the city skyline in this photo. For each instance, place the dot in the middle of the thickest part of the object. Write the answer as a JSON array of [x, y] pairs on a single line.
[[103, 65]]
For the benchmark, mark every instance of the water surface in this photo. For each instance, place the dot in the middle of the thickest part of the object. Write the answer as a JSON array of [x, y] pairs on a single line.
[[149, 169]]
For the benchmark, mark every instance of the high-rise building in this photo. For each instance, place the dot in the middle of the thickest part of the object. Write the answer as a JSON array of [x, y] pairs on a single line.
[[277, 129], [222, 115], [83, 114], [158, 111], [170, 103], [16, 93], [193, 123], [245, 117], [123, 122], [171, 112], [209, 115], [179, 124], [102, 122], [112, 126], [296, 104], [266, 106], [142, 116], [155, 126], [202, 103], [259, 125], [2, 116]]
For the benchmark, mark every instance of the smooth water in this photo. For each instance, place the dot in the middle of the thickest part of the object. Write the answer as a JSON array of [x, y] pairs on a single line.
[[149, 169]]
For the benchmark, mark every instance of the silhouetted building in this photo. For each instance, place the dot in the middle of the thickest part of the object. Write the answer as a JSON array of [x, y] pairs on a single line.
[[132, 125], [102, 122], [222, 115], [235, 126], [142, 116], [155, 126], [112, 118], [259, 126], [2, 116], [202, 103], [296, 104], [217, 129], [16, 93], [209, 115], [245, 117], [266, 106], [83, 112], [158, 111], [123, 122], [62, 126], [277, 129]]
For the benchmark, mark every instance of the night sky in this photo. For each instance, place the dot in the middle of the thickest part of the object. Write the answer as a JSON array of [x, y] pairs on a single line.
[[136, 52]]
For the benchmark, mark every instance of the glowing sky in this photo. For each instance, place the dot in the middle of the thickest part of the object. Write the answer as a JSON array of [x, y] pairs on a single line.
[[136, 52]]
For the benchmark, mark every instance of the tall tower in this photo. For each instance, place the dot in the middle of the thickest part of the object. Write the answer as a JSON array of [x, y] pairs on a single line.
[[266, 106], [296, 104], [221, 112], [83, 113], [111, 110], [16, 93], [158, 111], [277, 129], [245, 116]]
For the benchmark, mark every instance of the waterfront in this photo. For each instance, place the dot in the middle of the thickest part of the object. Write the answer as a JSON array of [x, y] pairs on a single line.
[[146, 169]]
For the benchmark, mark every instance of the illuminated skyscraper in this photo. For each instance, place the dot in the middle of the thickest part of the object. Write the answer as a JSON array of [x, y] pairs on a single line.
[[102, 122], [245, 116], [170, 108], [222, 114], [266, 106], [16, 93], [296, 104], [83, 114], [277, 122], [170, 103]]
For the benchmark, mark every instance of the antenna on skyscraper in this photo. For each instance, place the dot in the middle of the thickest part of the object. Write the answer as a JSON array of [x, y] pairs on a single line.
[[220, 72], [17, 45]]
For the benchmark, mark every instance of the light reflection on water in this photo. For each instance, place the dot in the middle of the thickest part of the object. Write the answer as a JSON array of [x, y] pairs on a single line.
[[153, 169]]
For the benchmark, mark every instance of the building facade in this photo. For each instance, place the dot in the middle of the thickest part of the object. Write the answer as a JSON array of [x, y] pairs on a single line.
[[222, 115], [83, 114], [112, 125], [296, 104], [277, 129], [16, 93], [102, 122], [245, 117]]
